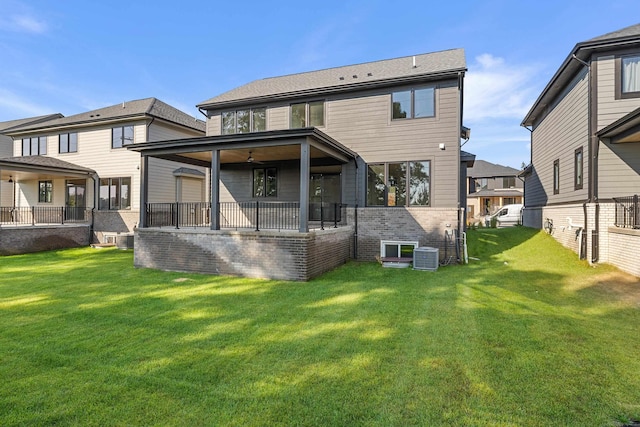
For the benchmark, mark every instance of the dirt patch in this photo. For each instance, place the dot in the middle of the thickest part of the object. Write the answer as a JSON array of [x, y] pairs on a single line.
[[619, 286]]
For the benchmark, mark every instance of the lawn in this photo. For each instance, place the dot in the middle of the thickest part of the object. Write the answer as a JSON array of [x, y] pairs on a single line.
[[525, 335]]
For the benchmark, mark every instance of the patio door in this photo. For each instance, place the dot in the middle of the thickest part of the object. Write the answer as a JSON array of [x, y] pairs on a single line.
[[325, 192], [75, 200]]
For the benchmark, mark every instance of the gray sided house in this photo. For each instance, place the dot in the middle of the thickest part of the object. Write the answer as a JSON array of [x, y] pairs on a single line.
[[311, 169], [490, 187], [70, 181], [584, 177]]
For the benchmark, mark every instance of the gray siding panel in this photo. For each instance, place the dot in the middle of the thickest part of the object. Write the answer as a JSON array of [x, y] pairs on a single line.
[[618, 170], [563, 130]]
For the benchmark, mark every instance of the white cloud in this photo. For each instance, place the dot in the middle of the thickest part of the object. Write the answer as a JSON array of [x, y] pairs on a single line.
[[27, 24], [496, 89]]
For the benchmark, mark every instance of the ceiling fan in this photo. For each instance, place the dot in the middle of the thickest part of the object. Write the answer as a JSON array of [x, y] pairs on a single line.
[[251, 159]]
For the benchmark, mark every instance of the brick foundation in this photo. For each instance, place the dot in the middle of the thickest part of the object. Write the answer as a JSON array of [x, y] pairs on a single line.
[[20, 240]]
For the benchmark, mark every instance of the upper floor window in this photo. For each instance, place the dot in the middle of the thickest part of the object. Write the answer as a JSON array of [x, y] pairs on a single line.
[[68, 143], [509, 182], [45, 191], [265, 182], [482, 184], [121, 136], [307, 114], [556, 177], [399, 184], [413, 104], [630, 74], [34, 146], [244, 121], [577, 169], [115, 193]]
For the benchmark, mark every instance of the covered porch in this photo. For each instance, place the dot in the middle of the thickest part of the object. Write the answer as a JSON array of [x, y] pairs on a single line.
[[277, 207]]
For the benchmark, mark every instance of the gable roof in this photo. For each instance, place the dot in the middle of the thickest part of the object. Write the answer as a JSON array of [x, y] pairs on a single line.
[[484, 169], [574, 62], [142, 108], [8, 125], [339, 79]]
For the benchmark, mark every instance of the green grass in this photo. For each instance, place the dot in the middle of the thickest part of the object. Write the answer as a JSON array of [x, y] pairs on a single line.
[[525, 336]]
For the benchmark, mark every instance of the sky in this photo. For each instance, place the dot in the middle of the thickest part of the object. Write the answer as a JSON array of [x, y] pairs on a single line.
[[74, 56]]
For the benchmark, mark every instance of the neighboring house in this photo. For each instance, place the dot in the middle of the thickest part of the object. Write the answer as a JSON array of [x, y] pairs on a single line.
[[77, 170], [584, 175], [311, 169], [492, 186], [6, 150]]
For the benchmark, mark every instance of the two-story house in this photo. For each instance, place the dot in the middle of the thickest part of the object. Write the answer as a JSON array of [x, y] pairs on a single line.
[[74, 181], [311, 169], [584, 176], [491, 186]]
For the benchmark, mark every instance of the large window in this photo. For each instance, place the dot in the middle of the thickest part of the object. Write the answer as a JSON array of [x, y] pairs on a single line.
[[121, 136], [556, 177], [45, 191], [34, 146], [265, 182], [68, 143], [307, 114], [399, 184], [115, 193], [413, 104], [244, 121], [577, 169]]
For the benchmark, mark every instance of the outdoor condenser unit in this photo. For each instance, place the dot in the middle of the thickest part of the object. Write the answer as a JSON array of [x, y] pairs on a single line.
[[425, 258]]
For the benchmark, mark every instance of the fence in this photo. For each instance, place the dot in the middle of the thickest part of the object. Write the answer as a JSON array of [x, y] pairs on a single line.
[[254, 215], [40, 215], [627, 212]]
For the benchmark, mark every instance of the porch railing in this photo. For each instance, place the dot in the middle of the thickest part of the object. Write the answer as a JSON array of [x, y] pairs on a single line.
[[627, 212], [40, 215], [254, 215]]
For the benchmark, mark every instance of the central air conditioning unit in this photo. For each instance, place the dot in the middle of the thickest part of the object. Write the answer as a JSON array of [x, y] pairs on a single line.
[[425, 258]]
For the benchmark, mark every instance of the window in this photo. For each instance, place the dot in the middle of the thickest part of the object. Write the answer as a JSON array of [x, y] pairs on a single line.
[[307, 114], [413, 104], [482, 183], [509, 182], [399, 184], [265, 182], [45, 191], [34, 146], [630, 74], [68, 143], [577, 169], [244, 121], [556, 177], [121, 136], [115, 193]]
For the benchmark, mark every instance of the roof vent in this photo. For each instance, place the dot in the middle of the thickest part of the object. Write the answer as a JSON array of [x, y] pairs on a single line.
[[355, 76], [341, 78], [369, 74], [414, 61]]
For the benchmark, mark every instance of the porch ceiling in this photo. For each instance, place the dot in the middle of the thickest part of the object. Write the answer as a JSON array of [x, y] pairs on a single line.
[[270, 146], [626, 129]]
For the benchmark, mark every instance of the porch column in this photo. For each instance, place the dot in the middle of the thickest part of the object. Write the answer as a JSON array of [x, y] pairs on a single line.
[[305, 173], [144, 190], [215, 189]]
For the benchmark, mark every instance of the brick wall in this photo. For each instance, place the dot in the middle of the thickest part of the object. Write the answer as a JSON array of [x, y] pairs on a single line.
[[286, 255], [20, 240], [623, 249], [425, 225]]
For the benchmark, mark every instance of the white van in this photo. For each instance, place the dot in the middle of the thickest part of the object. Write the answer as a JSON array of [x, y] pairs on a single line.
[[506, 216]]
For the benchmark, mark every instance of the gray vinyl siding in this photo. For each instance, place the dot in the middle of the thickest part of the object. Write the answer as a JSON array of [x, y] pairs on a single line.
[[610, 109], [618, 164], [6, 146], [163, 131], [362, 122], [236, 182], [563, 130]]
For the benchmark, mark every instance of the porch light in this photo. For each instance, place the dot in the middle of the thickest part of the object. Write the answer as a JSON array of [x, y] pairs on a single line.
[[10, 179], [250, 158]]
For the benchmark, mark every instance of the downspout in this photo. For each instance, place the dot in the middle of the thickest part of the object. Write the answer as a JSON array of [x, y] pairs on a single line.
[[355, 211], [524, 181], [592, 196], [461, 215]]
